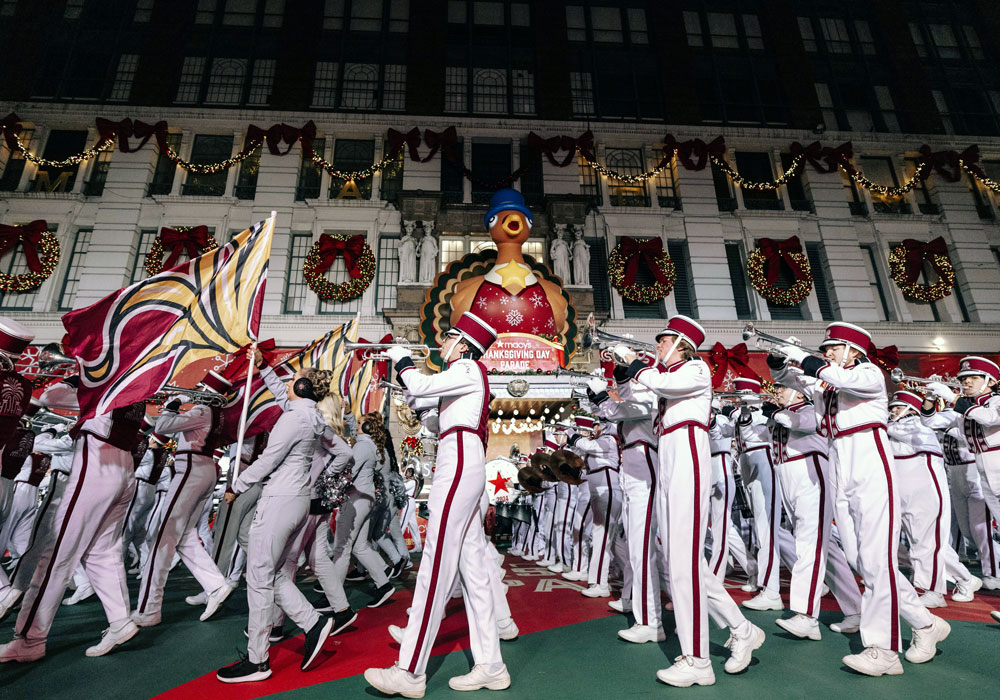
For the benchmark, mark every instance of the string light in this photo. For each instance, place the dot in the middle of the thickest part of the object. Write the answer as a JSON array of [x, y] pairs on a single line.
[[745, 184], [985, 181], [629, 179], [212, 168], [356, 174], [72, 160]]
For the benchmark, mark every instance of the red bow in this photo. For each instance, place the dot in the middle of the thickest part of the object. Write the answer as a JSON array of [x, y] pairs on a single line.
[[835, 157], [776, 251], [11, 127], [945, 163], [307, 134], [273, 136], [550, 146], [350, 249], [436, 140], [633, 250], [917, 252], [193, 240], [236, 370], [736, 358], [585, 144], [813, 153], [107, 129], [887, 357], [687, 151], [29, 236], [411, 139], [142, 130]]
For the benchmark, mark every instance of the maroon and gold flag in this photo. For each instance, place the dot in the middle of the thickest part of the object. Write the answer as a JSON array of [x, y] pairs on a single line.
[[133, 342]]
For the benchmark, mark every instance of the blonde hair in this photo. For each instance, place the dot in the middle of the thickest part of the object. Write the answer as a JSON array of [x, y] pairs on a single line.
[[332, 409]]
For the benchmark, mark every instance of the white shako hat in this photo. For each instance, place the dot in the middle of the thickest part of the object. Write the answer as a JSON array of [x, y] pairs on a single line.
[[973, 364], [687, 328], [475, 331], [14, 337], [841, 333]]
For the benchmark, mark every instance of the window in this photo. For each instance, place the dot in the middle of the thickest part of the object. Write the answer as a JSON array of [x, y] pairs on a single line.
[[806, 32], [925, 204], [387, 275], [523, 91], [942, 108], [146, 238], [972, 41], [452, 178], [795, 187], [755, 39], [590, 183], [627, 161], [725, 198], [295, 283], [205, 14], [59, 146], [451, 250], [455, 89], [692, 27], [918, 40], [74, 269], [786, 279], [637, 30], [757, 167], [489, 91], [15, 163], [520, 14], [121, 90], [392, 176], [666, 188], [489, 13], [826, 105], [246, 180], [360, 86], [189, 87], [394, 88], [208, 149], [399, 16], [881, 170], [599, 274], [366, 15], [9, 7], [274, 12], [163, 175], [875, 282], [225, 83], [581, 89], [239, 13], [887, 107], [490, 163], [945, 42], [857, 205], [722, 30], [576, 25], [817, 262], [352, 155], [531, 184], [325, 85], [738, 279], [456, 11], [683, 292], [310, 174], [333, 14], [835, 35], [865, 39], [74, 8], [261, 82], [607, 24], [94, 186], [338, 274], [982, 199]]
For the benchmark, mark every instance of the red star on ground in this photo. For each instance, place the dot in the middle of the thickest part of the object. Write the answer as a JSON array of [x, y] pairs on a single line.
[[499, 484]]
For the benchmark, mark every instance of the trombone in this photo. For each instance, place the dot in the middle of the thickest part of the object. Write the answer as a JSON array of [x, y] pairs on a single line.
[[898, 377], [419, 351], [195, 396], [562, 372], [773, 343]]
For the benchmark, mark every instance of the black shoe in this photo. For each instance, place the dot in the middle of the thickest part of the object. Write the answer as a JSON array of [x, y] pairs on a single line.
[[323, 607], [244, 671], [274, 636], [314, 640], [342, 620], [382, 594], [397, 569], [355, 575]]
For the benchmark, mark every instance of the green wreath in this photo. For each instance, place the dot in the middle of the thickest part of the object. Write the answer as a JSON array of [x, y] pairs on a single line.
[[330, 291], [617, 263], [48, 246]]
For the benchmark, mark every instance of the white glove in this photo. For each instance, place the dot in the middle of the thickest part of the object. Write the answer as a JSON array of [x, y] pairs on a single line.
[[942, 391], [397, 353], [794, 353], [782, 418], [623, 355], [597, 385]]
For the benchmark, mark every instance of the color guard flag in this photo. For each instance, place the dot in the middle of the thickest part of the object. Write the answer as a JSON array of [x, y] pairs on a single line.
[[133, 342]]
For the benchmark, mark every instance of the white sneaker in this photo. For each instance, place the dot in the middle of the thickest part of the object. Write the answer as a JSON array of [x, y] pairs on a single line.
[[396, 632], [748, 587], [8, 601], [991, 583], [687, 671], [742, 646], [875, 662], [930, 599], [111, 638], [851, 624], [964, 590], [147, 620], [479, 678], [545, 562], [995, 614], [530, 557], [215, 600], [621, 605], [765, 601], [21, 651], [802, 626], [923, 646], [640, 634], [81, 594], [574, 576], [508, 630], [515, 552], [396, 681], [596, 591], [199, 599], [558, 568]]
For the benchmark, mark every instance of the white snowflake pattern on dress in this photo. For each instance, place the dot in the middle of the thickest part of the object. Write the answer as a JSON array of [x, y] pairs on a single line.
[[482, 303], [514, 317], [505, 301], [535, 330], [551, 324], [536, 299]]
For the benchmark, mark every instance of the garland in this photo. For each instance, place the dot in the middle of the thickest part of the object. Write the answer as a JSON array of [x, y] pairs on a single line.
[[197, 242], [906, 262], [764, 266], [357, 256], [623, 269], [411, 445], [34, 239]]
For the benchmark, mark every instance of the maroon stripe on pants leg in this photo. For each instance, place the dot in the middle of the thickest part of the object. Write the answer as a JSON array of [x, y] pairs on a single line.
[[438, 549], [814, 580], [646, 535], [579, 540], [147, 574], [774, 506], [989, 539], [607, 527], [894, 605], [695, 554], [59, 538], [937, 526], [725, 518], [562, 544]]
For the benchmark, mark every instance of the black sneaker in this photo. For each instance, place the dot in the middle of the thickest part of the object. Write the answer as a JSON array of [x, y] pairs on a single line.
[[397, 569], [342, 620], [314, 640], [244, 671], [382, 594], [274, 636], [355, 575]]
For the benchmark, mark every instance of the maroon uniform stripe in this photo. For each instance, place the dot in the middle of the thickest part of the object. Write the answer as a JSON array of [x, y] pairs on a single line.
[[647, 534], [814, 579], [771, 518], [937, 524], [695, 553], [722, 548], [894, 594]]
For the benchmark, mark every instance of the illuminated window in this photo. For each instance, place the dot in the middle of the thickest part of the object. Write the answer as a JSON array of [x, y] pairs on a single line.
[[451, 249]]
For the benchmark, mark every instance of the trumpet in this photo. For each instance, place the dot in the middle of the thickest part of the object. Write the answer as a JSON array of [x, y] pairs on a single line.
[[561, 372], [573, 426], [773, 343], [51, 357], [195, 396], [898, 377], [390, 387], [419, 351]]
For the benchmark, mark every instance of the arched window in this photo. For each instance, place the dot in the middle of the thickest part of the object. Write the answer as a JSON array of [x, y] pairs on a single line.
[[360, 86], [489, 90]]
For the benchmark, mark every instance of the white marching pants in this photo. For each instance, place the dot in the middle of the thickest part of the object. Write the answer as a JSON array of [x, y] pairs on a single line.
[[16, 531], [42, 532], [138, 514], [765, 499], [724, 535], [973, 515], [455, 544], [867, 478], [351, 537], [639, 466], [543, 531], [606, 510], [408, 519], [577, 557]]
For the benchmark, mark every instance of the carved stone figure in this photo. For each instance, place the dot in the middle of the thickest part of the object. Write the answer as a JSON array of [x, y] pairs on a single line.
[[560, 255], [428, 255], [408, 253], [581, 259]]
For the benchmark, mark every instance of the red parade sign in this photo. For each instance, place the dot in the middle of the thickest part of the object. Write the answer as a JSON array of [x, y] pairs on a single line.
[[522, 352]]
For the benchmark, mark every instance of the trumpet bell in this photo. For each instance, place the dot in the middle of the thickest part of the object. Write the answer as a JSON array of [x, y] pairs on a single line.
[[52, 356]]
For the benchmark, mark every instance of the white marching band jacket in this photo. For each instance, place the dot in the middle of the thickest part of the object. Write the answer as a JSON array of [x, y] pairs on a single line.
[[600, 453], [793, 433], [751, 432], [956, 448], [721, 434], [909, 437], [980, 424], [59, 447], [633, 415], [847, 399], [463, 392], [685, 391]]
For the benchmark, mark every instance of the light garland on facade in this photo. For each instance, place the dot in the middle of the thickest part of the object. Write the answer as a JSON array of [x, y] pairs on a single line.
[[355, 174], [527, 425], [76, 159], [48, 246], [212, 168], [331, 291], [984, 181], [745, 184], [629, 179], [922, 292], [617, 263], [792, 296]]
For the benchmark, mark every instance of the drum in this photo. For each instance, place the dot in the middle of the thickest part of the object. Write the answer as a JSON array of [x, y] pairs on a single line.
[[522, 512], [498, 471], [503, 510]]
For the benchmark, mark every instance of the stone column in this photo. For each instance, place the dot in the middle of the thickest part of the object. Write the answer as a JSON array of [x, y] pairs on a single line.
[[276, 179]]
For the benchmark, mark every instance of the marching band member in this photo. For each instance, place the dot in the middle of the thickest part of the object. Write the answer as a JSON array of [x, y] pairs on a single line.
[[455, 543], [545, 509], [199, 432], [16, 528], [282, 511], [727, 540], [89, 522], [683, 384], [925, 505], [800, 458], [143, 500], [163, 470], [852, 409], [575, 560]]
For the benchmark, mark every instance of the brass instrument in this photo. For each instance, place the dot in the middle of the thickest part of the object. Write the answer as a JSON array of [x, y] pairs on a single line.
[[898, 377], [7, 362], [390, 387], [596, 337], [51, 357], [572, 426], [773, 343], [195, 396], [419, 351], [44, 415]]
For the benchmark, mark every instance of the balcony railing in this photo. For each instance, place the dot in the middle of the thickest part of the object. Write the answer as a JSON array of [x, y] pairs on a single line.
[[753, 203], [199, 190], [670, 203], [303, 192], [929, 208], [245, 191], [890, 207]]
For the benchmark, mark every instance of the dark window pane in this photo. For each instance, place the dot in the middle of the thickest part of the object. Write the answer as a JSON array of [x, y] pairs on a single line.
[[816, 262], [683, 292], [599, 275], [531, 184], [310, 174], [738, 279], [490, 164], [352, 155], [59, 146], [208, 149]]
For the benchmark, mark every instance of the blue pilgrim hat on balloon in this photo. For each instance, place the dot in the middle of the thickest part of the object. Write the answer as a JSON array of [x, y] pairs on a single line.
[[506, 200]]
